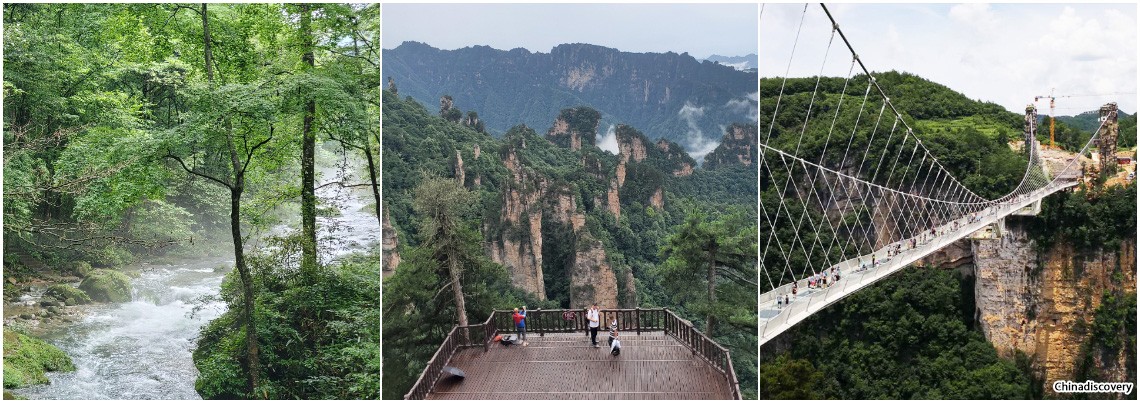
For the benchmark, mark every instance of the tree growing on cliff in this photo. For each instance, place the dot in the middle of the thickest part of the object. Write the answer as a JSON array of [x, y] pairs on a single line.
[[710, 267], [417, 313], [442, 202]]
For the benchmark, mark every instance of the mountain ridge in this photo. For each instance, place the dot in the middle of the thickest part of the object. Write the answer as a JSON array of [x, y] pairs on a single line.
[[670, 95]]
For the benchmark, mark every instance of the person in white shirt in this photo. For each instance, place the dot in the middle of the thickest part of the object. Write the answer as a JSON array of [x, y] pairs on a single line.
[[592, 316]]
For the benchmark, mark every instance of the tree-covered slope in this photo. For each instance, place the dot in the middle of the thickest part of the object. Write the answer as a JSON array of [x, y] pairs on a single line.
[[649, 91]]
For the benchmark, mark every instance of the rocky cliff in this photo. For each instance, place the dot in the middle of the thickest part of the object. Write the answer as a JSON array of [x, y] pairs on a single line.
[[575, 126], [737, 147], [519, 246], [1041, 302], [388, 246]]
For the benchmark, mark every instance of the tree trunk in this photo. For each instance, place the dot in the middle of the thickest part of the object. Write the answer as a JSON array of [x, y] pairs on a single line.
[[375, 182], [206, 46], [711, 319], [457, 289], [253, 365], [308, 147]]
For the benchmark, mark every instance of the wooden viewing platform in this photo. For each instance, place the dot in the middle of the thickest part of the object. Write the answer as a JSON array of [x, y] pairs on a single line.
[[662, 357]]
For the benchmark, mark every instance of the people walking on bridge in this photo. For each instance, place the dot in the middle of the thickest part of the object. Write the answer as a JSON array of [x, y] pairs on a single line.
[[520, 324], [787, 301], [592, 316]]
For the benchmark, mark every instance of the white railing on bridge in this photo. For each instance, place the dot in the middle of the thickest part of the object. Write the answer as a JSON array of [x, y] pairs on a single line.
[[858, 273]]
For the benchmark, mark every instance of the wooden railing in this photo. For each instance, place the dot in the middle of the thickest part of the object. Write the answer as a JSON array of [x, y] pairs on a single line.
[[435, 366], [703, 346], [544, 321]]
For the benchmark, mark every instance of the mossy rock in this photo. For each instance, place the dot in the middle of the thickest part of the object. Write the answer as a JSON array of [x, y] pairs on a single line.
[[26, 359], [81, 268], [68, 294], [105, 285], [12, 396]]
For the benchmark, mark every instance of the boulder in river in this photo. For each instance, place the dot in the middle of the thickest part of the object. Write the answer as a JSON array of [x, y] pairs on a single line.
[[81, 268], [68, 294], [105, 285]]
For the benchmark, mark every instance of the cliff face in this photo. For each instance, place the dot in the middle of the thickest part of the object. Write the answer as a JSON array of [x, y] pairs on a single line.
[[575, 126], [1041, 303], [519, 248], [460, 173], [631, 144], [657, 200], [592, 279], [613, 200], [737, 147], [388, 246]]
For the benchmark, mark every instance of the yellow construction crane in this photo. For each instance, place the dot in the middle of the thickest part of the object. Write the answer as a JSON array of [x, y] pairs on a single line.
[[1052, 113]]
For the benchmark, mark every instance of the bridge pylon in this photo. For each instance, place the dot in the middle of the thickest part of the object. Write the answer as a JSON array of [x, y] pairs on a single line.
[[1030, 134], [1106, 145]]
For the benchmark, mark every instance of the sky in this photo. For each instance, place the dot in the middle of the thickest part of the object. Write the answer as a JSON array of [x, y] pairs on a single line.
[[1002, 53], [700, 30]]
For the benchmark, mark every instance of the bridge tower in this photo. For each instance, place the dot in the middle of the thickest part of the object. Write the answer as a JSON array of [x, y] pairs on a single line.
[[1030, 127], [1107, 141]]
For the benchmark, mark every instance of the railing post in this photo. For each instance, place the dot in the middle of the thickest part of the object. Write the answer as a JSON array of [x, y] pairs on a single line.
[[637, 319], [538, 316]]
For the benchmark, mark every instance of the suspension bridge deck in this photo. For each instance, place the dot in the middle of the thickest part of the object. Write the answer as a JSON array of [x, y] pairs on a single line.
[[858, 273], [564, 366]]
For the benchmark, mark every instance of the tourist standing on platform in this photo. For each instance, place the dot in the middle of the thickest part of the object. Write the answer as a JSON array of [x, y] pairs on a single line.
[[615, 343], [613, 331], [592, 316], [520, 324]]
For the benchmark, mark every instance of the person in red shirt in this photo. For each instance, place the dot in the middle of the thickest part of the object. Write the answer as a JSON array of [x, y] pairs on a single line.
[[520, 324]]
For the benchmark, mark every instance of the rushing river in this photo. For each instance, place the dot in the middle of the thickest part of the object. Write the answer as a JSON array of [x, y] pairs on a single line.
[[142, 349]]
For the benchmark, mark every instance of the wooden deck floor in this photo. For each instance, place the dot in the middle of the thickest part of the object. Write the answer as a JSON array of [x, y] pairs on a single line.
[[565, 366]]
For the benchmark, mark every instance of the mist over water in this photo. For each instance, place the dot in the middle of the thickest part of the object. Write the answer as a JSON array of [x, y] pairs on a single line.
[[142, 349]]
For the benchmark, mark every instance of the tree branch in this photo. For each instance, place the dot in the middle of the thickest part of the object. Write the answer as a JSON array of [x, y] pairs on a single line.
[[193, 172]]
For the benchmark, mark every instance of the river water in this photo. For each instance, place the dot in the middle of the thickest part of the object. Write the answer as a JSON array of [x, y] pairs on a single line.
[[142, 349]]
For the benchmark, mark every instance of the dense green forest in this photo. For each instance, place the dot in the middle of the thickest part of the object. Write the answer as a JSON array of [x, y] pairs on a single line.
[[510, 87], [444, 224], [138, 130], [913, 335]]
